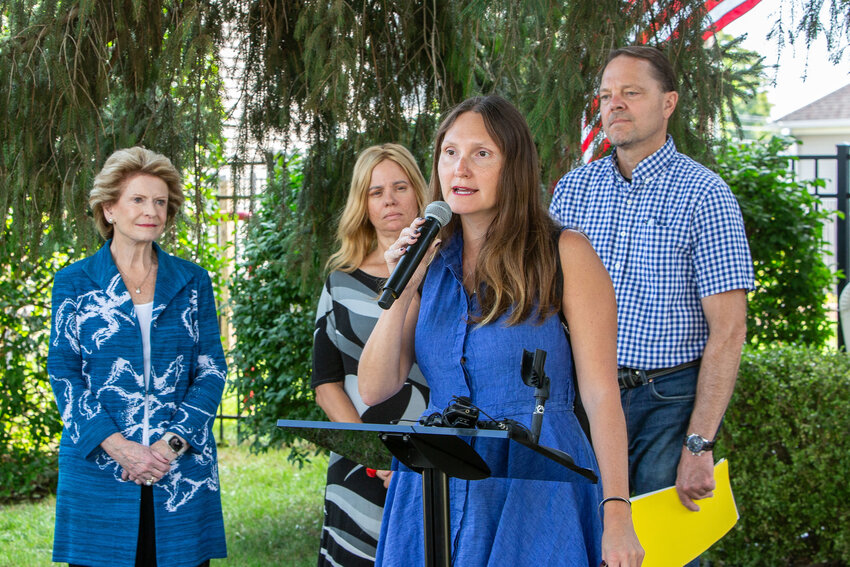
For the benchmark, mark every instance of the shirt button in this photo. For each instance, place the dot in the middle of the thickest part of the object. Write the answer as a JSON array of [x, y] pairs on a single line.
[[622, 233], [617, 265], [629, 202], [463, 360]]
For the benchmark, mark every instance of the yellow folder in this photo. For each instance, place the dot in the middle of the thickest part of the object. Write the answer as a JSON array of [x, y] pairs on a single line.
[[671, 534]]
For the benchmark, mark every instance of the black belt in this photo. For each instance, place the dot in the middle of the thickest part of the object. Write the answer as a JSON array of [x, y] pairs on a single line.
[[634, 377]]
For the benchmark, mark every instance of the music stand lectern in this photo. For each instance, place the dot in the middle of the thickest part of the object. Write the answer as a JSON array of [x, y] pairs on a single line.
[[438, 453]]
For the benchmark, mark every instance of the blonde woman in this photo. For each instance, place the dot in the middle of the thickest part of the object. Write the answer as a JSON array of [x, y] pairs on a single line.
[[387, 192]]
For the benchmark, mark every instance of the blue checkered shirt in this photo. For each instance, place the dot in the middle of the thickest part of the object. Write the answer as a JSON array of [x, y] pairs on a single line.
[[669, 238]]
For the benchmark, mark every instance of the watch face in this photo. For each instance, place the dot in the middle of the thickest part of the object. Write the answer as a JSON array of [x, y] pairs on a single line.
[[176, 444], [695, 443]]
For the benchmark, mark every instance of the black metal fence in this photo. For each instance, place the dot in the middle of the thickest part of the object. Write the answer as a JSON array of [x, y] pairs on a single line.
[[240, 189], [834, 170]]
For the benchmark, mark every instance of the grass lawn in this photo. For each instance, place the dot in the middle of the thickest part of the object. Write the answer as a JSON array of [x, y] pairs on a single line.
[[272, 513]]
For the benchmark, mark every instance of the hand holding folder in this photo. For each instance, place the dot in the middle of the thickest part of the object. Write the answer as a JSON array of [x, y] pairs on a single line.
[[673, 535]]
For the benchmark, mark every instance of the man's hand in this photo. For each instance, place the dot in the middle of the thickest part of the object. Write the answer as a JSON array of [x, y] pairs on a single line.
[[726, 314], [695, 478]]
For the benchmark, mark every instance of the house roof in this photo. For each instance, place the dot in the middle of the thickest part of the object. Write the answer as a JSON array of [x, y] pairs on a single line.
[[834, 106]]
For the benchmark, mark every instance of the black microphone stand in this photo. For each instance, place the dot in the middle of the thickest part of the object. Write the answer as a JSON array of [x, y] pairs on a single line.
[[534, 375]]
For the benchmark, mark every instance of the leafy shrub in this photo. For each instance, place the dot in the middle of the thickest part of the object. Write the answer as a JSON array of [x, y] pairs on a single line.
[[273, 315], [786, 438], [29, 421], [785, 231]]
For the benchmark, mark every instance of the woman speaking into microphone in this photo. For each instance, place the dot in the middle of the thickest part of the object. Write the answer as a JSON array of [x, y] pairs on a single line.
[[501, 277]]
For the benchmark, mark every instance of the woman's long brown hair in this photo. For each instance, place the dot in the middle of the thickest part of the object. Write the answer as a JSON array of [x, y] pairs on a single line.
[[518, 263]]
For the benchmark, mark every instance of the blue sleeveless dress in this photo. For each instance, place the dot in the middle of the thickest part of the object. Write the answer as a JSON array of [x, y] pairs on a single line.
[[495, 522]]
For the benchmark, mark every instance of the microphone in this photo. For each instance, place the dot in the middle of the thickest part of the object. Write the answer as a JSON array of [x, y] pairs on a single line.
[[437, 215]]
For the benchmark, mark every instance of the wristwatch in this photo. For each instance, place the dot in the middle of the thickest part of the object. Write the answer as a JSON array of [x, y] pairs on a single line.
[[177, 446], [697, 444]]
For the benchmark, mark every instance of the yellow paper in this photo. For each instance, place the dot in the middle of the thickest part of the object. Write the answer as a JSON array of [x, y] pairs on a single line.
[[671, 534]]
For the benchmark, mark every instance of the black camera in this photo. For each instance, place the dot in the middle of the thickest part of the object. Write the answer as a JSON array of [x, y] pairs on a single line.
[[460, 413]]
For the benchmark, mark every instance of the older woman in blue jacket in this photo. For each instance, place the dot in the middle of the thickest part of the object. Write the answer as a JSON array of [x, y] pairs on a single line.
[[138, 370]]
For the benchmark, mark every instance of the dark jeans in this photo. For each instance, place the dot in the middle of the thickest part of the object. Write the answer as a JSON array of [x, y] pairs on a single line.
[[657, 416], [146, 547]]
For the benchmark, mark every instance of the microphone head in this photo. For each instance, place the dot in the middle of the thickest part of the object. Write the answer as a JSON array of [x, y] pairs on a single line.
[[440, 211]]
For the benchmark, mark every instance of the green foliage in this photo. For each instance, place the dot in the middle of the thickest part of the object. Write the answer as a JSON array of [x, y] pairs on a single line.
[[194, 235], [785, 436], [30, 422], [274, 316], [84, 78], [800, 21], [345, 75], [748, 107], [784, 229]]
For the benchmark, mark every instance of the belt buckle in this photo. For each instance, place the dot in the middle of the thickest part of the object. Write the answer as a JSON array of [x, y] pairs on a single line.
[[631, 378]]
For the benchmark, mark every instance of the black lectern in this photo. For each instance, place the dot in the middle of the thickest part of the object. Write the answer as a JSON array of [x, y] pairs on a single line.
[[438, 453]]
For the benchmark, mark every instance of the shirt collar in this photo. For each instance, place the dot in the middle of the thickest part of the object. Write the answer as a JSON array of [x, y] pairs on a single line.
[[650, 166], [452, 254]]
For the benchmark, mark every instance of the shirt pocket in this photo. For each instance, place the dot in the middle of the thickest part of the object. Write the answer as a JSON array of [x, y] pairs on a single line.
[[662, 252]]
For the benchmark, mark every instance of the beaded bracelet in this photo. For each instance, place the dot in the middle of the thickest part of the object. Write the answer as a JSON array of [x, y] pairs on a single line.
[[609, 499]]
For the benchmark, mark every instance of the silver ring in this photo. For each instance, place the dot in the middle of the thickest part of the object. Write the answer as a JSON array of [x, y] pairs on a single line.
[[149, 481]]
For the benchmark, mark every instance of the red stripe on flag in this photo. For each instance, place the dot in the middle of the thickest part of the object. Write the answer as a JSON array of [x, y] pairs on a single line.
[[590, 137], [730, 17]]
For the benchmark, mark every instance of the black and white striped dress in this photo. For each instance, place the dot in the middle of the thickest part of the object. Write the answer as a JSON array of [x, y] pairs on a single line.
[[354, 502]]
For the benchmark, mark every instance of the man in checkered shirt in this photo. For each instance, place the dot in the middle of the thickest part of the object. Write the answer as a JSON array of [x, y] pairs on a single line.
[[670, 233]]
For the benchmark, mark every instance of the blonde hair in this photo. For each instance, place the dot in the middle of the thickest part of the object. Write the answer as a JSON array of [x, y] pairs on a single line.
[[355, 234], [122, 166], [518, 262]]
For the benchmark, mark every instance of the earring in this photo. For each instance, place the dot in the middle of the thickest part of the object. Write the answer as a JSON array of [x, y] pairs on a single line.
[[110, 221]]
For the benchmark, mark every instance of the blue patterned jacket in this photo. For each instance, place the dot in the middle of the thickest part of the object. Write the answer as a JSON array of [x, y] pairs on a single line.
[[95, 364]]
